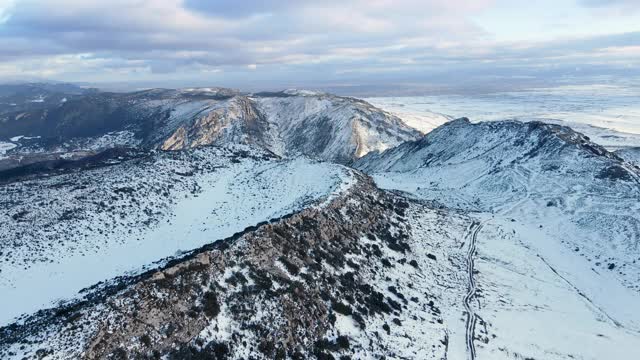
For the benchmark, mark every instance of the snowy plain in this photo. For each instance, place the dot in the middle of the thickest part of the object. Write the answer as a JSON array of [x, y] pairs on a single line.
[[608, 113]]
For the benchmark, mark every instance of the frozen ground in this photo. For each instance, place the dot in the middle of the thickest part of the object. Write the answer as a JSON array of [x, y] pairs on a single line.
[[609, 114], [63, 233]]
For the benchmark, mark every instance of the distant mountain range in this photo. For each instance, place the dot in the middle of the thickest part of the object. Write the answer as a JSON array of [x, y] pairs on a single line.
[[33, 96]]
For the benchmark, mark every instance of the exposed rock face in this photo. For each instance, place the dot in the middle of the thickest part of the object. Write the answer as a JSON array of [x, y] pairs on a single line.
[[330, 127], [286, 289], [238, 122]]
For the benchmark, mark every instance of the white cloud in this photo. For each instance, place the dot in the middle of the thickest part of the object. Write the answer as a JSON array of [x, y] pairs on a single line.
[[166, 38]]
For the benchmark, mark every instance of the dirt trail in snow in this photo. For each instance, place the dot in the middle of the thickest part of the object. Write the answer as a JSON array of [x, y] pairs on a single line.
[[472, 317]]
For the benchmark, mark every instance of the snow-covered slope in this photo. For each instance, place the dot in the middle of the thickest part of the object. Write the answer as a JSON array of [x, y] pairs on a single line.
[[560, 220], [335, 282], [493, 166], [287, 123], [73, 228], [330, 127]]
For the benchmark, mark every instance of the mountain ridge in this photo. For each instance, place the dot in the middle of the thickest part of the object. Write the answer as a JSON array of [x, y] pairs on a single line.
[[287, 123]]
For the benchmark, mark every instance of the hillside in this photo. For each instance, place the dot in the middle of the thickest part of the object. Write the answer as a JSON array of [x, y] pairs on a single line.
[[68, 228], [560, 220]]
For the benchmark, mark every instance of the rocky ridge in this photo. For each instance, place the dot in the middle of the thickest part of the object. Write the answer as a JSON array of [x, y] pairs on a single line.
[[320, 283]]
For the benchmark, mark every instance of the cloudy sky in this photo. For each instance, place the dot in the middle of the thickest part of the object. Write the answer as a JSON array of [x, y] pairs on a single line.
[[256, 42]]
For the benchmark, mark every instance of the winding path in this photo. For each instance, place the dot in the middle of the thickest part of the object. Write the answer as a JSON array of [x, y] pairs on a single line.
[[472, 318]]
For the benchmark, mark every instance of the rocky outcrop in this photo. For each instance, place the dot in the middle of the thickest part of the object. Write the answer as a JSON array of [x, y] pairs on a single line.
[[238, 122]]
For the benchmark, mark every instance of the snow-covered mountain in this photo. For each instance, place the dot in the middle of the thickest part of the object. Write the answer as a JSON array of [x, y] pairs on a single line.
[[194, 223], [287, 123], [553, 205], [330, 127], [493, 166]]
